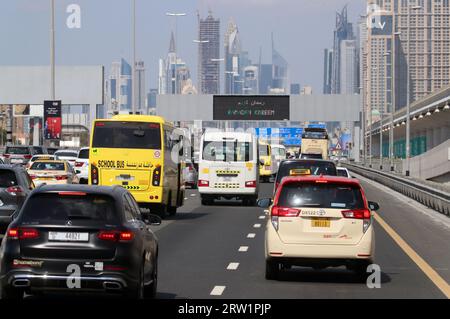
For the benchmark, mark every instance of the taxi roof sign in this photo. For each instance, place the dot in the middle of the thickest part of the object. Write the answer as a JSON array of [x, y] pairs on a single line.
[[300, 172]]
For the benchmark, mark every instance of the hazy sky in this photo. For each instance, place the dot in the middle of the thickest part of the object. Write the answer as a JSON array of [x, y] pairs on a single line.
[[302, 29]]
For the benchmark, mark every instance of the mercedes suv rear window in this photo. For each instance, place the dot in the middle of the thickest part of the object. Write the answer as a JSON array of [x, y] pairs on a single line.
[[49, 207], [329, 195], [7, 178]]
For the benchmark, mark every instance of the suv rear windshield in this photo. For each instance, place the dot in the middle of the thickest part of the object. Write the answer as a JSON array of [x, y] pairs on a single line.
[[84, 154], [316, 167], [7, 178], [135, 135], [17, 150], [338, 196], [48, 207], [67, 154]]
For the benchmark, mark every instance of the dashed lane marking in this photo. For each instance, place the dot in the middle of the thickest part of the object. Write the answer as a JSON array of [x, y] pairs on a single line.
[[217, 291], [262, 217], [257, 226], [251, 235], [243, 249], [233, 266]]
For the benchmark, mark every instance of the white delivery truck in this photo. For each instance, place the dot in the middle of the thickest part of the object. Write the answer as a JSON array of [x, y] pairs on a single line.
[[228, 167]]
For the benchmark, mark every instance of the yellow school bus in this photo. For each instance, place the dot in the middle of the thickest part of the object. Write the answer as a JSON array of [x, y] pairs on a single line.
[[142, 154]]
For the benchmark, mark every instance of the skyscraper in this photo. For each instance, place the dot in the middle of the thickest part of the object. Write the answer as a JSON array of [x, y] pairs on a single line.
[[280, 72], [327, 70], [140, 87], [251, 80], [209, 55], [266, 78], [232, 49], [348, 68], [343, 31], [173, 72], [120, 87]]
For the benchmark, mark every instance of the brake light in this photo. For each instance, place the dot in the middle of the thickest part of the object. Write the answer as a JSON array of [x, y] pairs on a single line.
[[116, 235], [6, 155], [356, 214], [23, 233], [203, 183], [14, 190], [250, 184], [94, 175], [13, 233], [27, 156], [72, 194], [99, 124], [33, 176], [285, 212], [79, 164], [156, 176], [61, 177], [363, 214]]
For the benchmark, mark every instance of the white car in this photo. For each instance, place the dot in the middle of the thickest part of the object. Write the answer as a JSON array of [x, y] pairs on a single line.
[[342, 171], [319, 222], [67, 155], [82, 165]]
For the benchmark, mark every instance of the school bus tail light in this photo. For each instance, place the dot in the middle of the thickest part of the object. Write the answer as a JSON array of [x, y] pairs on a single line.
[[94, 175], [156, 176]]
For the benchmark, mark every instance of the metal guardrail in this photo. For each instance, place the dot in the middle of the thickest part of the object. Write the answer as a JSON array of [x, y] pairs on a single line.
[[433, 198]]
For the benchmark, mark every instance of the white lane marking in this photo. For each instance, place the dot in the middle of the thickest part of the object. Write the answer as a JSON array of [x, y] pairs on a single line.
[[185, 198], [243, 249], [257, 226], [217, 291], [192, 195], [251, 235], [262, 217], [233, 266]]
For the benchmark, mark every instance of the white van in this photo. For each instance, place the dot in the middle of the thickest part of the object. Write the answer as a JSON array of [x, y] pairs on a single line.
[[228, 167], [279, 153]]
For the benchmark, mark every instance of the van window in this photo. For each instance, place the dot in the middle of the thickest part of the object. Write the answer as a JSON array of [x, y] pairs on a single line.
[[227, 151]]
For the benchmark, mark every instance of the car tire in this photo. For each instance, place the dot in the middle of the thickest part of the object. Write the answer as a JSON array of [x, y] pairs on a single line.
[[272, 270], [10, 293], [151, 290], [207, 201], [138, 292]]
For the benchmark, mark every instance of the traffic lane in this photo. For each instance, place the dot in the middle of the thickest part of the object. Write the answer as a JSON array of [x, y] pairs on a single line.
[[195, 251], [400, 277], [425, 230]]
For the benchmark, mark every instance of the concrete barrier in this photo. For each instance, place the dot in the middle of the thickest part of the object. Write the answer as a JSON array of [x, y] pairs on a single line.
[[436, 199]]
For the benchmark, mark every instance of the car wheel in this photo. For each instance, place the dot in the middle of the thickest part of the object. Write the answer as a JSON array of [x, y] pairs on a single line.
[[272, 270], [138, 291], [207, 201], [10, 293], [150, 291]]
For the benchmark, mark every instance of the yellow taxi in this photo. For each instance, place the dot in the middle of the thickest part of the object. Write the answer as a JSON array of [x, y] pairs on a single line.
[[52, 172]]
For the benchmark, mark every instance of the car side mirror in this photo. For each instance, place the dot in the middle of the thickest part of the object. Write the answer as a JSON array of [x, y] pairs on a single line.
[[264, 202], [374, 206], [152, 220]]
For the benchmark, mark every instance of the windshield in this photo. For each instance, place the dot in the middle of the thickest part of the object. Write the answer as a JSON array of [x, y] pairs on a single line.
[[48, 166], [17, 150], [134, 135], [321, 196], [312, 156], [277, 151], [227, 151], [315, 134], [84, 154], [264, 150], [316, 168], [46, 207]]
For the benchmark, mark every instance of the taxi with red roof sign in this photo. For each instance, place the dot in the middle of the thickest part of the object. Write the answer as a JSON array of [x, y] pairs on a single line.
[[319, 222]]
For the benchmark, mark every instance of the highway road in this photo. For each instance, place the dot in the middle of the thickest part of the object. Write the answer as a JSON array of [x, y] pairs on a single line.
[[218, 252]]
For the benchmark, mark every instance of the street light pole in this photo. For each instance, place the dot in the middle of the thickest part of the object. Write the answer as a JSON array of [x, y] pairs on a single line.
[[52, 50], [133, 70]]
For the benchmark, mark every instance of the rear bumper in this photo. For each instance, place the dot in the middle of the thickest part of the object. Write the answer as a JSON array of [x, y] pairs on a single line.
[[227, 191], [275, 248], [144, 196], [106, 283]]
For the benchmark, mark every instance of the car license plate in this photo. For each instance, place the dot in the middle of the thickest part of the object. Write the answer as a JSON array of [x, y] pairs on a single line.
[[68, 236], [321, 222], [16, 161]]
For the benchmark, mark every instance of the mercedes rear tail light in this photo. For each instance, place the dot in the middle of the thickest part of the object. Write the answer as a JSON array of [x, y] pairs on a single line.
[[14, 190], [115, 236], [23, 233]]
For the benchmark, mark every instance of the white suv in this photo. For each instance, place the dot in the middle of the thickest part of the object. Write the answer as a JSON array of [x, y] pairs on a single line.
[[82, 165]]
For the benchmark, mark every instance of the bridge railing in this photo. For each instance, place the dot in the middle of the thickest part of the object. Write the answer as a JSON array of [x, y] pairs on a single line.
[[432, 197]]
